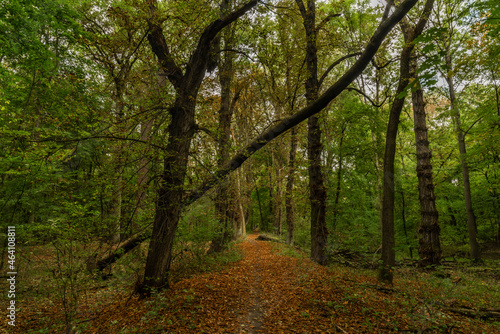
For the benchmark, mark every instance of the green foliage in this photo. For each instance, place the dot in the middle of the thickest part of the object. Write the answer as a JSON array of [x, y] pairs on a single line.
[[70, 158]]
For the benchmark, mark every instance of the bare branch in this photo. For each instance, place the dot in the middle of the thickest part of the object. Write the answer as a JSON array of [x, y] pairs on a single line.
[[326, 20], [366, 96], [335, 63], [472, 125], [206, 130], [379, 67]]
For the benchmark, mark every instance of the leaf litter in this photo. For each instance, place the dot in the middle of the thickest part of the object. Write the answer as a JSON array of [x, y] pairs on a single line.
[[267, 292]]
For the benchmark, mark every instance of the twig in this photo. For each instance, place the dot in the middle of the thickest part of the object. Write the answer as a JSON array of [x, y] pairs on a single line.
[[340, 329]]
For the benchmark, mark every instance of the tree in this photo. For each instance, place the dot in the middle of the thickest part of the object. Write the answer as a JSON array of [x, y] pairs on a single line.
[[429, 241], [388, 243], [225, 200], [317, 189], [180, 133], [449, 45], [323, 100]]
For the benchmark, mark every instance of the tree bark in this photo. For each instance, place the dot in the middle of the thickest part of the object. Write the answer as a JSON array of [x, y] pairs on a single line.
[[170, 193], [471, 220], [278, 203], [225, 204], [428, 229], [290, 225], [386, 272], [317, 188], [339, 177], [180, 132]]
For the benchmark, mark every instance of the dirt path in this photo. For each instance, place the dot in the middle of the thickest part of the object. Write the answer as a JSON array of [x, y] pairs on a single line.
[[252, 323], [265, 292]]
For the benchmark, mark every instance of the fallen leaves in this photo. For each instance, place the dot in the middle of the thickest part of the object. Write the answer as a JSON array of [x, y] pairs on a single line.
[[266, 292]]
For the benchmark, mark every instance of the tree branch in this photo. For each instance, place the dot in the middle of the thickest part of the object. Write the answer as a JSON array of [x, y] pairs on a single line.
[[326, 20], [366, 96], [206, 130], [335, 63], [55, 140], [160, 48], [302, 8], [472, 125], [331, 93], [199, 58], [379, 67]]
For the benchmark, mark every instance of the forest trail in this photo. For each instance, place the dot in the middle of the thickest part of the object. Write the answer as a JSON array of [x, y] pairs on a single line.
[[272, 289]]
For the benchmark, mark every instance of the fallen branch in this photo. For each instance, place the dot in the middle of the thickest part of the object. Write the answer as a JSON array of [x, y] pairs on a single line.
[[124, 247], [340, 329], [263, 237], [481, 313]]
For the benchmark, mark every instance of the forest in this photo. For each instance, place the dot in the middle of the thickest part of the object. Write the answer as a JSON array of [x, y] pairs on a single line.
[[250, 166]]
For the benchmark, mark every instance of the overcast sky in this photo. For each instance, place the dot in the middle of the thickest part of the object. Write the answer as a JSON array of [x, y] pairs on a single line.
[[377, 2]]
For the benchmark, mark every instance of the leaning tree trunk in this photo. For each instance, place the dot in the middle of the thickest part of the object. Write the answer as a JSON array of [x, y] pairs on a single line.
[[428, 229], [169, 201]]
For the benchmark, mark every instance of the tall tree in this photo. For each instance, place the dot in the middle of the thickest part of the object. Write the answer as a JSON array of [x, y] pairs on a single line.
[[386, 272], [170, 188], [447, 18], [317, 188], [224, 199], [428, 229], [180, 132], [388, 22]]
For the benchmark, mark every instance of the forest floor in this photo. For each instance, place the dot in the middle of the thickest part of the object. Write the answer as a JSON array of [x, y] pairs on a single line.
[[277, 289]]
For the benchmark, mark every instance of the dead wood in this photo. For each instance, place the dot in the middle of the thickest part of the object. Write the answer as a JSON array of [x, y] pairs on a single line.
[[263, 237], [481, 313], [121, 249]]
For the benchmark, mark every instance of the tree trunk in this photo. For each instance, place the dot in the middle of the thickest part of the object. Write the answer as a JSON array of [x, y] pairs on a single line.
[[169, 200], [319, 231], [100, 264], [290, 226], [339, 177], [388, 243], [386, 272], [278, 206], [224, 199], [429, 243], [143, 172], [317, 188], [180, 132], [403, 210], [471, 220]]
